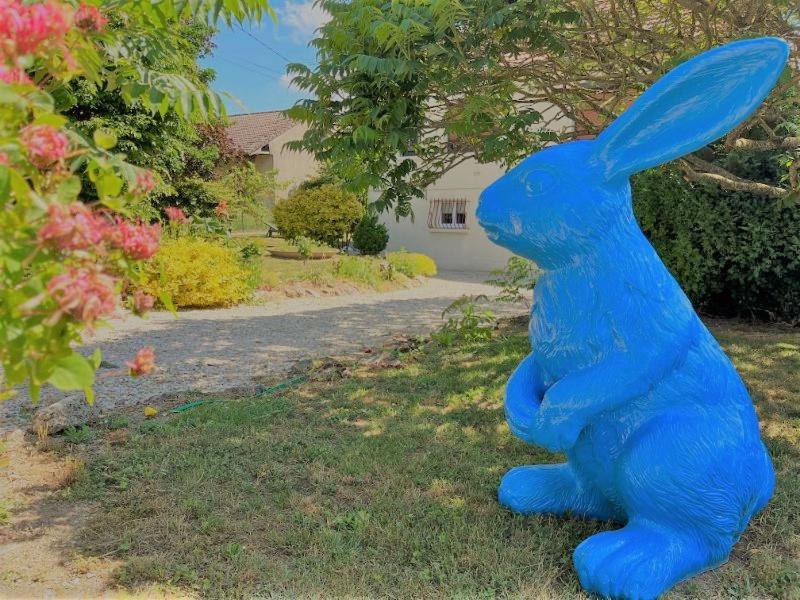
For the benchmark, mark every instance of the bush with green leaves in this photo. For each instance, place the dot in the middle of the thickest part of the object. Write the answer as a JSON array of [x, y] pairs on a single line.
[[468, 318], [327, 214], [735, 254], [518, 276], [370, 236]]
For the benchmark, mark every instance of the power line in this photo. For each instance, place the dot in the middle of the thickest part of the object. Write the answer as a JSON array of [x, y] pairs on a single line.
[[267, 46], [265, 70]]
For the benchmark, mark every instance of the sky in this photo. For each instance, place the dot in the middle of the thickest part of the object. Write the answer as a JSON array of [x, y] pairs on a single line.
[[251, 61]]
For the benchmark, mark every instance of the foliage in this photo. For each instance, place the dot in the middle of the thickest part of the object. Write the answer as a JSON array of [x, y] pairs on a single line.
[[303, 245], [249, 251], [78, 435], [62, 261], [243, 189], [166, 143], [466, 320], [361, 269], [194, 196], [370, 236], [734, 253], [412, 264], [518, 277], [327, 214], [198, 273], [405, 90]]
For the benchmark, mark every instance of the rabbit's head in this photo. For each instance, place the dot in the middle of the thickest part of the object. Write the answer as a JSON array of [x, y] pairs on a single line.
[[560, 203]]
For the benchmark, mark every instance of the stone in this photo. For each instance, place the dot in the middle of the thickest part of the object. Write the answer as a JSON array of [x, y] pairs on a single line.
[[71, 411]]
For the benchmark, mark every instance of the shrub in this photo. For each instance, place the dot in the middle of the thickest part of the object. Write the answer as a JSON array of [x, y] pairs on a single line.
[[360, 269], [326, 214], [735, 254], [193, 196], [370, 236], [412, 264], [199, 273]]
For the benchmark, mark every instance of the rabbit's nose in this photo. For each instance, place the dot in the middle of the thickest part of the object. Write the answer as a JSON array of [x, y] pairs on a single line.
[[486, 203]]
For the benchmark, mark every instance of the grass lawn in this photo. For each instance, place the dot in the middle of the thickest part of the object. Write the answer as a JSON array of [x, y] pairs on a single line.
[[382, 483]]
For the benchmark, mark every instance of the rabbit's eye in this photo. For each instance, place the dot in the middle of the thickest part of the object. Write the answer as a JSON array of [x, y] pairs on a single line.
[[538, 181]]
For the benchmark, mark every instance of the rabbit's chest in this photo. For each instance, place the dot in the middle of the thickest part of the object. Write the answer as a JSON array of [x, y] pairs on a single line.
[[570, 327]]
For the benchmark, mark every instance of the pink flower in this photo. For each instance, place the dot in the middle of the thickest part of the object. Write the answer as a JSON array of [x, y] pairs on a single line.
[[222, 209], [138, 241], [143, 363], [84, 293], [33, 28], [12, 75], [142, 302], [89, 18], [46, 145], [73, 227], [3, 158], [176, 215], [145, 182]]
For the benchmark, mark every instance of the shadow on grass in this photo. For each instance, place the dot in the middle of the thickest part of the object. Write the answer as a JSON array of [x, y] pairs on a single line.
[[383, 484]]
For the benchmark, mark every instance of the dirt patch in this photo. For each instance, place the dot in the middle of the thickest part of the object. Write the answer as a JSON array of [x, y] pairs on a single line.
[[36, 558]]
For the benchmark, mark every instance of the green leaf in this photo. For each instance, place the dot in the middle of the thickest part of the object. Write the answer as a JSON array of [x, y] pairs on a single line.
[[96, 358], [105, 138], [72, 372], [166, 300], [69, 189], [5, 183]]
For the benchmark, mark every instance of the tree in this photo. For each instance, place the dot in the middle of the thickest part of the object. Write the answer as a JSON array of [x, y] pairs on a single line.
[[405, 90]]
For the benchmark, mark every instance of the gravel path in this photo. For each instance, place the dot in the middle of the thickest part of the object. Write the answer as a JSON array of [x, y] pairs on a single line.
[[225, 349]]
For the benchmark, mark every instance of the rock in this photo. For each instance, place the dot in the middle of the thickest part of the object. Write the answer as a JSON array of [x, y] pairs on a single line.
[[69, 412]]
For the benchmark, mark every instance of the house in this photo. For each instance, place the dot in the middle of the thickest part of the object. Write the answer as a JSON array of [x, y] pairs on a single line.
[[262, 137], [444, 225]]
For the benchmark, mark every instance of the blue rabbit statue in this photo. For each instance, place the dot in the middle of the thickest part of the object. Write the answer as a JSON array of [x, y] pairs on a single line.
[[658, 428]]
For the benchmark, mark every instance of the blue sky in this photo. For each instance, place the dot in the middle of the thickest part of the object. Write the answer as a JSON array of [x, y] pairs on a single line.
[[251, 72]]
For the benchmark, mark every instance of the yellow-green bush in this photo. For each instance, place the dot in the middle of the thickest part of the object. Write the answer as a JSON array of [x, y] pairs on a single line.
[[412, 264], [199, 273], [361, 269]]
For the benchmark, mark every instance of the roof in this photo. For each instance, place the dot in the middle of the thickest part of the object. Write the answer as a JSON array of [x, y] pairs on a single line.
[[250, 132]]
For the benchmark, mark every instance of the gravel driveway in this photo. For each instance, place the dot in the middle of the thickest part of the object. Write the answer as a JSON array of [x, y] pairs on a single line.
[[224, 349]]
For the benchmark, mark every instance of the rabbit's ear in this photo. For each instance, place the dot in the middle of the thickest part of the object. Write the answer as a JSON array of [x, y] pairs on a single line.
[[696, 103]]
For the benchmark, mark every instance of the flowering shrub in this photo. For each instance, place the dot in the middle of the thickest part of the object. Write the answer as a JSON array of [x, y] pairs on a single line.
[[143, 363], [197, 273], [63, 261]]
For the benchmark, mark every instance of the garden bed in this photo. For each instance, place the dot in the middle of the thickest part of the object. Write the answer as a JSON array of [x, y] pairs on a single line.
[[379, 479], [295, 255]]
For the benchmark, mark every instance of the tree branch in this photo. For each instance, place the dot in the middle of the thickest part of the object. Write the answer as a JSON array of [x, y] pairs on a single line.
[[719, 176], [786, 143]]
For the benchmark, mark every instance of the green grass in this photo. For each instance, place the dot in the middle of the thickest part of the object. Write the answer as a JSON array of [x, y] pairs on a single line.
[[275, 272], [383, 483]]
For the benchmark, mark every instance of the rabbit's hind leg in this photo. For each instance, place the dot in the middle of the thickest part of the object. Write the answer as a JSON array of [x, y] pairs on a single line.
[[638, 562], [689, 486], [553, 489]]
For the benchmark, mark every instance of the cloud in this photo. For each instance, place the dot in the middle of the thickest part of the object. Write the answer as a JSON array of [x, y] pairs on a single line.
[[303, 18], [286, 81]]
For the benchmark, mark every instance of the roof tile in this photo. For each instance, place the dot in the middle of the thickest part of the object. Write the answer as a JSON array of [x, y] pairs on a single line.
[[252, 131]]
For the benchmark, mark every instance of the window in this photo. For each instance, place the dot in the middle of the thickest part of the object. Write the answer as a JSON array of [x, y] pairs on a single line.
[[446, 213]]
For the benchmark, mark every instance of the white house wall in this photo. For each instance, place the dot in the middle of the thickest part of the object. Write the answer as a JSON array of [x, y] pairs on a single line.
[[293, 167], [455, 249]]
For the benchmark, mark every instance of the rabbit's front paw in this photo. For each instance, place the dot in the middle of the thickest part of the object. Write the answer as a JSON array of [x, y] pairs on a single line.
[[555, 428]]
